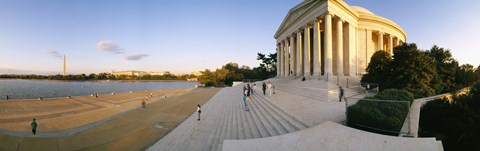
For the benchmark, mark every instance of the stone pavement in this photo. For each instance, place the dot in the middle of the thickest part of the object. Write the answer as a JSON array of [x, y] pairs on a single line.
[[412, 121], [330, 136], [57, 114], [129, 131], [292, 108]]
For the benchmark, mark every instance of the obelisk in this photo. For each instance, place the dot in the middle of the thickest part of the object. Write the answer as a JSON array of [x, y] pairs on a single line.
[[64, 65]]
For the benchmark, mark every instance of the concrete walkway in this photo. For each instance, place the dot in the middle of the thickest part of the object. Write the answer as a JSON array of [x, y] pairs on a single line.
[[331, 136], [412, 121], [129, 131]]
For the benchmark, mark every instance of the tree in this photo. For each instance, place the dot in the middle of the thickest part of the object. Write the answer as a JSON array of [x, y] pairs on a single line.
[[465, 76], [411, 69], [446, 67], [216, 78], [456, 122], [269, 64], [377, 70]]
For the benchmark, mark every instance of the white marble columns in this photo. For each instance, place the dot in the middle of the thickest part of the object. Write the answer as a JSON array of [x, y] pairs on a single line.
[[287, 58], [293, 61], [328, 45], [298, 54], [306, 51], [339, 46], [317, 48], [282, 60], [380, 41], [278, 59], [390, 44]]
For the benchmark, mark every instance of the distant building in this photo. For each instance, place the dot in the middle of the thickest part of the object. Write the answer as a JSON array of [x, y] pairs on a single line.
[[138, 73], [129, 73], [196, 73]]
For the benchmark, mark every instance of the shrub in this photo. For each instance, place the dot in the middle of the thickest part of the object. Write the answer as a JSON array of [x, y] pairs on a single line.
[[371, 114]]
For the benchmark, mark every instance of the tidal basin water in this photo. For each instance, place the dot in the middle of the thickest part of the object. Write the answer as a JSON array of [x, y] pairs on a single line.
[[32, 89]]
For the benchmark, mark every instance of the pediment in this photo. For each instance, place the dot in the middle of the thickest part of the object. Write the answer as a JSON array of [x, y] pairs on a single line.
[[297, 12]]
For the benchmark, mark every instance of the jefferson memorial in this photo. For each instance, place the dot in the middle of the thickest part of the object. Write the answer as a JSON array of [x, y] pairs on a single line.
[[321, 38]]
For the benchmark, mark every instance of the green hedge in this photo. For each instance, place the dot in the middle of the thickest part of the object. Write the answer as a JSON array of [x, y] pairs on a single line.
[[380, 114]]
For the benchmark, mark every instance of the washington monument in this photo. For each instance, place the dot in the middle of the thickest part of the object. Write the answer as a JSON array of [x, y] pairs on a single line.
[[64, 65]]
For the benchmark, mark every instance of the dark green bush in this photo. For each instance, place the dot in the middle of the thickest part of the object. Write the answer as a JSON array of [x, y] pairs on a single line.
[[456, 122], [371, 115]]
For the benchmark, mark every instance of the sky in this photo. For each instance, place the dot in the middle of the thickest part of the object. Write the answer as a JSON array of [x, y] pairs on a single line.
[[182, 36]]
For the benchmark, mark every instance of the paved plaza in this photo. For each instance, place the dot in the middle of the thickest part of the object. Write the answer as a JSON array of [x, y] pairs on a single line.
[[109, 122]]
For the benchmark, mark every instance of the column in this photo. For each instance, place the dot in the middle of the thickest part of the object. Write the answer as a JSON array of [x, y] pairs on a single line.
[[339, 63], [390, 44], [282, 64], [293, 61], [316, 48], [286, 56], [328, 45], [298, 54], [306, 51], [397, 42], [380, 41], [352, 51], [278, 60]]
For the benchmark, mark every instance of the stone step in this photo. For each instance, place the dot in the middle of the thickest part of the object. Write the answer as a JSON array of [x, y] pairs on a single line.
[[253, 113], [255, 132], [222, 126], [298, 124], [218, 129], [282, 124], [266, 120], [249, 133]]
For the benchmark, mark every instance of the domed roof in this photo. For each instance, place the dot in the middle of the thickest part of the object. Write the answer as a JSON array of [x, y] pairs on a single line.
[[361, 10]]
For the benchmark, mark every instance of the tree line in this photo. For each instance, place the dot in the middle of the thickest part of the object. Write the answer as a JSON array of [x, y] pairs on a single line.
[[422, 72], [230, 72], [100, 76]]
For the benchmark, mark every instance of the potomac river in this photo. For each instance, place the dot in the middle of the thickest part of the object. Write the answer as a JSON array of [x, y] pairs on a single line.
[[32, 89]]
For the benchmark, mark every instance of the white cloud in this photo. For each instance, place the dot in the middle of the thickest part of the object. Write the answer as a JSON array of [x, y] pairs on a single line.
[[55, 54], [136, 57], [108, 46]]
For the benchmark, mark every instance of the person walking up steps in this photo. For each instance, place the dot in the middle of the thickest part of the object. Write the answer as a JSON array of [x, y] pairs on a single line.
[[34, 127], [341, 94], [245, 99], [269, 88], [248, 99], [264, 87], [199, 111]]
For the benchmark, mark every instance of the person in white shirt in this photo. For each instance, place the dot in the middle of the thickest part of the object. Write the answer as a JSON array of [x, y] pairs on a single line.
[[269, 88]]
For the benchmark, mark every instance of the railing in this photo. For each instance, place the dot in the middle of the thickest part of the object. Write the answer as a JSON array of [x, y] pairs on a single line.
[[370, 88]]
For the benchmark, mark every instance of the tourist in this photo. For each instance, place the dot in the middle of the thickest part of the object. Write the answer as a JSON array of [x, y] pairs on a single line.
[[303, 78], [246, 97], [254, 87], [7, 97], [269, 88], [245, 88], [341, 94], [264, 87], [96, 95], [144, 104], [199, 111], [34, 126], [273, 87]]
